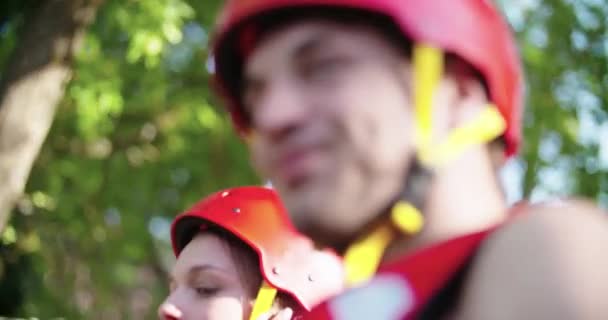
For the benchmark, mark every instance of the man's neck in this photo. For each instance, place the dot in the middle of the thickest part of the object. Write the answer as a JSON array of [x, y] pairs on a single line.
[[460, 201]]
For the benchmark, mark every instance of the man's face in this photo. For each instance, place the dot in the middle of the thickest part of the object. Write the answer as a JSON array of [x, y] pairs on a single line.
[[330, 110]]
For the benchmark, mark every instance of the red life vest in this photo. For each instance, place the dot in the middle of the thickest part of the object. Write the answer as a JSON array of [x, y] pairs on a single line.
[[422, 285]]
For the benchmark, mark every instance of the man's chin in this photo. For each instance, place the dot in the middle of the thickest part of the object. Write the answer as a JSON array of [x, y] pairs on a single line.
[[307, 199], [299, 189], [326, 231], [310, 208]]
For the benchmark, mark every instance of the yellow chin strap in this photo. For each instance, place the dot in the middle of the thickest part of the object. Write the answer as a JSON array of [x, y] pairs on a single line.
[[263, 301], [363, 257]]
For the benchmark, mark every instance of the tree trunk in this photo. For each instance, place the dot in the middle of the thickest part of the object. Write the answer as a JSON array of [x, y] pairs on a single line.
[[31, 87]]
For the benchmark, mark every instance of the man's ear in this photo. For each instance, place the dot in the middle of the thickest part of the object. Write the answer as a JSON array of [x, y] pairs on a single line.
[[496, 150], [470, 95], [470, 98]]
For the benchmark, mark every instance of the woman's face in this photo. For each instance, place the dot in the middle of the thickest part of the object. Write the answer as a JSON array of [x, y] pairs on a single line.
[[206, 286]]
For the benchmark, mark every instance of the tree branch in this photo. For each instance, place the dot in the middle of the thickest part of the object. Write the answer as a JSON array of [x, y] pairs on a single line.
[[32, 86]]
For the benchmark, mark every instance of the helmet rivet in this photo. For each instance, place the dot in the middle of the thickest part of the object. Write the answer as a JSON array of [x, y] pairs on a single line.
[[310, 278], [236, 210], [225, 194], [275, 270]]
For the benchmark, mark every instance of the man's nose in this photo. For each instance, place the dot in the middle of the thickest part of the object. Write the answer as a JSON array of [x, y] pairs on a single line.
[[169, 311]]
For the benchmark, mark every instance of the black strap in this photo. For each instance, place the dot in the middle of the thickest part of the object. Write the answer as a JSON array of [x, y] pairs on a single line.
[[448, 297], [418, 181]]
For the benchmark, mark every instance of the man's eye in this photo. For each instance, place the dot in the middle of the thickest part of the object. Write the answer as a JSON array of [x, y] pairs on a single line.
[[207, 291], [322, 68]]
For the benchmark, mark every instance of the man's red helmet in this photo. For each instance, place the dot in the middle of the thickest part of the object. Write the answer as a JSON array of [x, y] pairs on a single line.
[[473, 30], [256, 216]]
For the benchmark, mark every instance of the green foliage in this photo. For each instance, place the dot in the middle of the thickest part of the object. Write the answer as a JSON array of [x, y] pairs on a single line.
[[138, 138], [564, 46], [8, 38]]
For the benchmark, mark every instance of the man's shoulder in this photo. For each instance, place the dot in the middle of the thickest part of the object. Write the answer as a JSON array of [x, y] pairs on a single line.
[[559, 209], [549, 259], [550, 224], [539, 260]]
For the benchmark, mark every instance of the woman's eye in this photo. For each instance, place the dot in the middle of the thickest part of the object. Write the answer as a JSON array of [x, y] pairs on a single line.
[[207, 291]]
